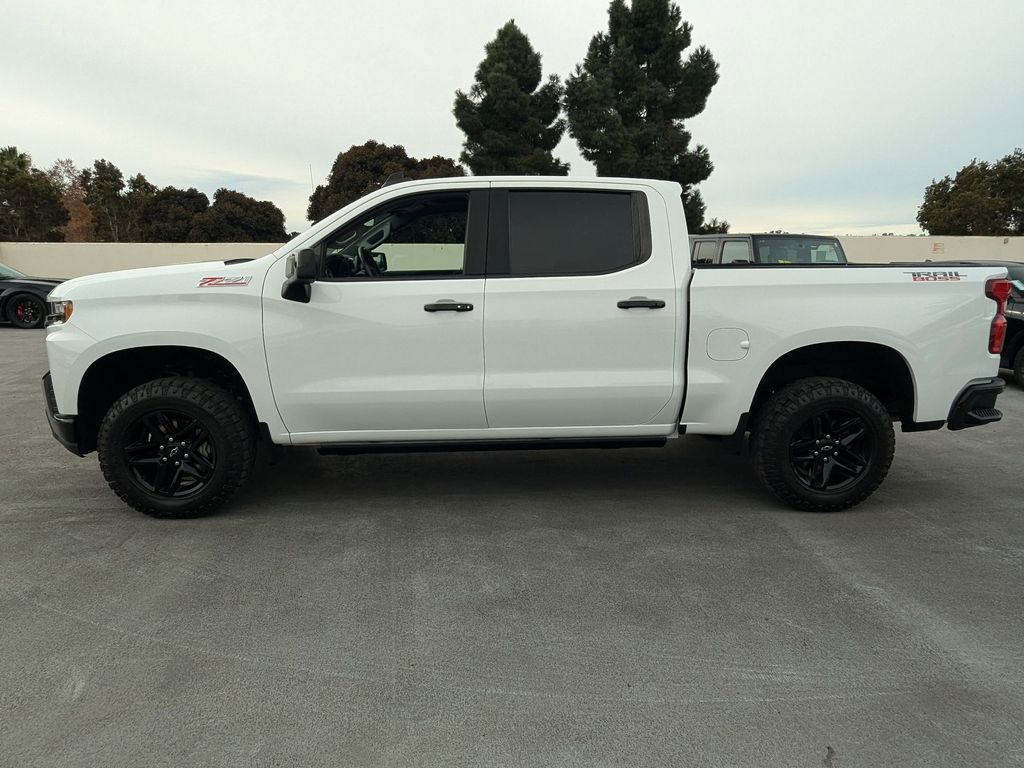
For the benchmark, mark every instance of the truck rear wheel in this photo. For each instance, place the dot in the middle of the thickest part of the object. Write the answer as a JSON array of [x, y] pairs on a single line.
[[176, 447], [823, 444]]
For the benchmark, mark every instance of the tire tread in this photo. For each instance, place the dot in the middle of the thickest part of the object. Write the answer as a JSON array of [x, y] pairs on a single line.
[[222, 407], [774, 415]]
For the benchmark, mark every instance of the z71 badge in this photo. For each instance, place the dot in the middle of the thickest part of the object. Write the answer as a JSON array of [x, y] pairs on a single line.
[[224, 282], [935, 276]]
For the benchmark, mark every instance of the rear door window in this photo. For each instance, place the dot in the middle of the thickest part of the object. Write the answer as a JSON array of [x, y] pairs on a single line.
[[571, 232]]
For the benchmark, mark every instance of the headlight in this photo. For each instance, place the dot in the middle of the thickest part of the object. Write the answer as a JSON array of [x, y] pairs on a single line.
[[59, 312]]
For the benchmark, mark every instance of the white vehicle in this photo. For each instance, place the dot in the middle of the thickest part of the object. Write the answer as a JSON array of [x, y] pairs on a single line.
[[493, 313]]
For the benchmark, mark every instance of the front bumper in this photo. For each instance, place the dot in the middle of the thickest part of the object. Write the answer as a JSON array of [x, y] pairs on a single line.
[[63, 427], [976, 404]]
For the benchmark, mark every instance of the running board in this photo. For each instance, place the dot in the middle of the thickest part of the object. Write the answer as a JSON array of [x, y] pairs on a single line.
[[430, 446]]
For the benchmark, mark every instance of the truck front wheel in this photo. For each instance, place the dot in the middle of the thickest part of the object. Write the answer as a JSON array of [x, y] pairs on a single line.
[[823, 444], [176, 447]]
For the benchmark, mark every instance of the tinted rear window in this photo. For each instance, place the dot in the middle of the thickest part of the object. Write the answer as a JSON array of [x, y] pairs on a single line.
[[558, 233]]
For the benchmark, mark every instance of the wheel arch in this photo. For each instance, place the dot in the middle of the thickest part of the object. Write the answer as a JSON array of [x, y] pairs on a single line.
[[880, 369], [110, 376]]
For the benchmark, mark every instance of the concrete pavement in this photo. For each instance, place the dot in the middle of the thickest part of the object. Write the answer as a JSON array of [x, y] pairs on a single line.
[[632, 607]]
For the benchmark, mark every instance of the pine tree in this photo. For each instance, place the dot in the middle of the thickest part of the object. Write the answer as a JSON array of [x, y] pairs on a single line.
[[511, 121], [627, 101]]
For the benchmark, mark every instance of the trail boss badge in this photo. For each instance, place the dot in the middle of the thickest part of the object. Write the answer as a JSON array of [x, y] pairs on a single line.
[[935, 276]]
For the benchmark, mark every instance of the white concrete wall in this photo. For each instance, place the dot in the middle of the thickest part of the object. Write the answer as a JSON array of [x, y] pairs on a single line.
[[885, 249], [75, 259]]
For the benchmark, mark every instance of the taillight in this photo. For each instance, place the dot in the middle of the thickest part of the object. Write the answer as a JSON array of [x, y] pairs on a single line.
[[999, 291]]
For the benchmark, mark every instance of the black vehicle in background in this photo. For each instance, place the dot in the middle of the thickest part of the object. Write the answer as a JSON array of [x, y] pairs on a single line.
[[1013, 347], [23, 298], [765, 249]]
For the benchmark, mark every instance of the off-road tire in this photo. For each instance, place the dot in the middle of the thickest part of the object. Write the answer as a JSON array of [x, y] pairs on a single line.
[[1018, 366], [38, 316], [230, 429], [790, 409]]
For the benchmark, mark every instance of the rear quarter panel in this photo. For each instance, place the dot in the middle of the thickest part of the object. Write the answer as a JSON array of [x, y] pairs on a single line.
[[941, 328]]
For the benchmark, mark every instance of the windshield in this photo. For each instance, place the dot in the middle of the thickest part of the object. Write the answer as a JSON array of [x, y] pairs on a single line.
[[6, 271], [798, 250]]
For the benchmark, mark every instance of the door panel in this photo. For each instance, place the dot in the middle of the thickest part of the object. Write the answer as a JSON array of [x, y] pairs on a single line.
[[367, 356], [560, 351], [377, 348], [560, 354]]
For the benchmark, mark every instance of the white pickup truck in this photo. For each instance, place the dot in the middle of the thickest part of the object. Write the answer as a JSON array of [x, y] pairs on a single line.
[[468, 313]]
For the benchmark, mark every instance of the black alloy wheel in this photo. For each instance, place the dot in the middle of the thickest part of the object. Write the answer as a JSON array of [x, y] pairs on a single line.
[[170, 453], [26, 311], [832, 450], [822, 444], [177, 447]]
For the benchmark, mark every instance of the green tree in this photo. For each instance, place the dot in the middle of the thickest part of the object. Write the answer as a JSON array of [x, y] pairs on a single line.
[[30, 204], [713, 227], [103, 186], [117, 208], [365, 167], [982, 199], [627, 102], [238, 218], [136, 200], [511, 121], [67, 179], [169, 214], [1009, 187]]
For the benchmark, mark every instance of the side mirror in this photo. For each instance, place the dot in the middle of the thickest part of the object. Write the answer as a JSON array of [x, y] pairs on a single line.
[[300, 271]]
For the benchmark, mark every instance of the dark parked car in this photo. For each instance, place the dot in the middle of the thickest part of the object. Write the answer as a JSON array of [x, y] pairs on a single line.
[[765, 249], [1013, 347], [23, 298]]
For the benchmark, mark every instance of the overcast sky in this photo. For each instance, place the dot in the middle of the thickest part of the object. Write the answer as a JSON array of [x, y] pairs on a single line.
[[830, 115]]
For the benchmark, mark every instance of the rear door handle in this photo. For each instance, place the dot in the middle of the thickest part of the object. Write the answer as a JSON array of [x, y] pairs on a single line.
[[448, 306], [641, 302]]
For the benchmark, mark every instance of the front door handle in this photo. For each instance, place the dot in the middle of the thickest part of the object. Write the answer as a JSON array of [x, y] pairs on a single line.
[[641, 302], [448, 306]]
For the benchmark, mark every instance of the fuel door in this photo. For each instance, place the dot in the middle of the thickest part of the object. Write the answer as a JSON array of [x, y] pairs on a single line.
[[727, 344]]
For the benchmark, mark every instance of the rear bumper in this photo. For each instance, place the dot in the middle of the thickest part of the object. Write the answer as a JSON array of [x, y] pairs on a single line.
[[976, 404], [63, 427]]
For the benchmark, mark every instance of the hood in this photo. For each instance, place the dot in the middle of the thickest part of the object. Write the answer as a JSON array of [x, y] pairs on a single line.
[[175, 280]]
